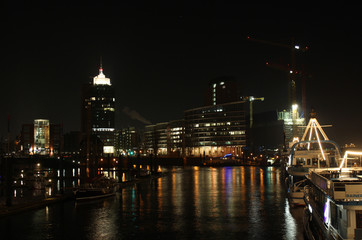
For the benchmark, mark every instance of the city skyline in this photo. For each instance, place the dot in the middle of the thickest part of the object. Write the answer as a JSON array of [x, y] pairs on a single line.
[[161, 59]]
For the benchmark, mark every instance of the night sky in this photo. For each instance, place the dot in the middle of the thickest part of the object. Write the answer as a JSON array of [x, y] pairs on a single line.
[[160, 57]]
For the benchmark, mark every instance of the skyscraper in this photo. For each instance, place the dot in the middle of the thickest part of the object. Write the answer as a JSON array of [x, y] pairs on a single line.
[[98, 116]]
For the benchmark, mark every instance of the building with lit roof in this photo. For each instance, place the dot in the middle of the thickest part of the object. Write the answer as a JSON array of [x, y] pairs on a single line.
[[98, 111]]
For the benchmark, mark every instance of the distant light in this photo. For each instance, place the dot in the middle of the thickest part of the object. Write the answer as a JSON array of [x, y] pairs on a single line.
[[295, 107], [290, 71], [296, 47]]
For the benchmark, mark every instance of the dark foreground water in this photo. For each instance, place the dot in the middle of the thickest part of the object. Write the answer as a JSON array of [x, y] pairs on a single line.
[[188, 203]]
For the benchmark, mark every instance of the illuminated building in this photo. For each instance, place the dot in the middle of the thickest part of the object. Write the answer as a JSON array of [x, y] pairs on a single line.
[[222, 90], [127, 141], [176, 138], [149, 139], [41, 138], [98, 111], [292, 127], [155, 139], [215, 130]]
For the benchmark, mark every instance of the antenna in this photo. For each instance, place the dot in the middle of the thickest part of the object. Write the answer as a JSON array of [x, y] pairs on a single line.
[[100, 67]]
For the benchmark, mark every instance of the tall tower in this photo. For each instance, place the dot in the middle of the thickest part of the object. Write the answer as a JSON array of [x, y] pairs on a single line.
[[98, 116]]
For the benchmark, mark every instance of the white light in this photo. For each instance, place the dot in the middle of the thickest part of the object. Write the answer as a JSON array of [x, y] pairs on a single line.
[[346, 154], [101, 79], [295, 107], [296, 47], [103, 129], [108, 149]]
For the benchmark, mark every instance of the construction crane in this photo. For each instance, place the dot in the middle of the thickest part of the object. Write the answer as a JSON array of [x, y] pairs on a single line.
[[291, 75], [251, 99], [301, 73]]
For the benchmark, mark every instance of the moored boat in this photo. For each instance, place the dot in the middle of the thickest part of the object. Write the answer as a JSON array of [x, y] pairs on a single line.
[[333, 198], [315, 152], [99, 187]]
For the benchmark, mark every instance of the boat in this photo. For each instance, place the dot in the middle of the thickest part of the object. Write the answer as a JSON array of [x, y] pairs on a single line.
[[333, 198], [98, 187], [315, 152]]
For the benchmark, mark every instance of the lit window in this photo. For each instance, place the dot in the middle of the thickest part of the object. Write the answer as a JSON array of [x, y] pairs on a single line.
[[222, 83]]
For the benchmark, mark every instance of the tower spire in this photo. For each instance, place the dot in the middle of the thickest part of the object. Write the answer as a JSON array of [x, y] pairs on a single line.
[[101, 67]]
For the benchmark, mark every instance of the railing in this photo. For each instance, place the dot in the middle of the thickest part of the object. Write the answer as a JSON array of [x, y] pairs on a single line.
[[322, 182]]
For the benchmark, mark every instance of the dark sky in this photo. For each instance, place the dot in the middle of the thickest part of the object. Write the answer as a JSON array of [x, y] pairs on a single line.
[[160, 57]]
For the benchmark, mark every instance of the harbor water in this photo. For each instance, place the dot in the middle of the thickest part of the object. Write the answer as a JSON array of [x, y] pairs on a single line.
[[239, 202]]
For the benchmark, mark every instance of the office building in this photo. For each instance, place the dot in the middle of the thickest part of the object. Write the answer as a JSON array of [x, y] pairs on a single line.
[[176, 138], [155, 139], [127, 141], [215, 130], [41, 138], [98, 112]]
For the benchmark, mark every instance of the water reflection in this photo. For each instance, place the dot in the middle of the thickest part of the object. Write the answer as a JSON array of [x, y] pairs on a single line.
[[197, 203]]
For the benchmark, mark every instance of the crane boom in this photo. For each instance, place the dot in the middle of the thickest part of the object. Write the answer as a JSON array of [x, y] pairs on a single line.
[[291, 76]]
